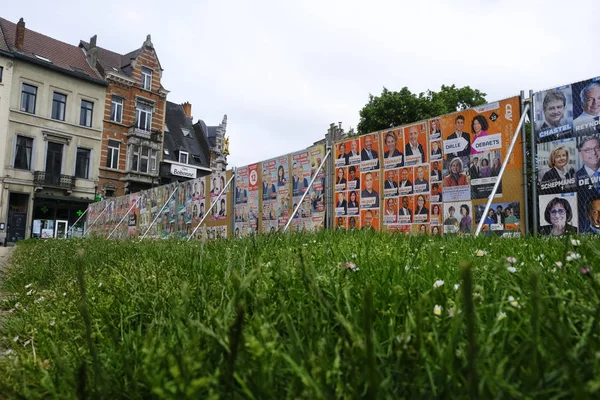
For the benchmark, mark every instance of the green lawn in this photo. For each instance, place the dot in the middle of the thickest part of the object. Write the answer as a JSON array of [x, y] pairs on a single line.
[[278, 317]]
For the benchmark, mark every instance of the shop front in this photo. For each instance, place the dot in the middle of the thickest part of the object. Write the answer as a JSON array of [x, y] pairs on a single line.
[[55, 217]]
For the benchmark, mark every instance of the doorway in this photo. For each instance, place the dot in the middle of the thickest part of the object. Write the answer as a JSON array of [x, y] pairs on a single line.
[[60, 229], [17, 216]]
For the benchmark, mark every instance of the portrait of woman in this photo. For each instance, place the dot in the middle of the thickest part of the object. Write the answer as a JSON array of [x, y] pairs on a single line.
[[342, 152], [389, 207], [465, 222], [456, 176], [281, 179], [435, 131], [341, 179], [485, 171], [390, 146], [558, 162], [352, 203], [436, 214], [435, 230], [559, 215], [341, 203], [479, 127], [222, 185], [510, 216], [496, 167], [421, 209], [490, 218]]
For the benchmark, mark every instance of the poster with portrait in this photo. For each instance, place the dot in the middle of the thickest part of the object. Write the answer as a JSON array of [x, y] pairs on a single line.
[[586, 107], [436, 212], [553, 116], [390, 184], [133, 216], [369, 195], [406, 206], [416, 144], [435, 130], [421, 209], [558, 214], [556, 166], [241, 198], [502, 219], [390, 211], [369, 220], [316, 212], [457, 218], [284, 194], [587, 176], [369, 155], [393, 149], [340, 154], [217, 184]]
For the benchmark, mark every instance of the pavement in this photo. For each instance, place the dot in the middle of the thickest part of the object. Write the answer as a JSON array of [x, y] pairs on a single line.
[[5, 253]]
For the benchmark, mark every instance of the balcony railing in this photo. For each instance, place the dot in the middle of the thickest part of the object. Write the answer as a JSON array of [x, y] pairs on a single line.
[[41, 179], [144, 134]]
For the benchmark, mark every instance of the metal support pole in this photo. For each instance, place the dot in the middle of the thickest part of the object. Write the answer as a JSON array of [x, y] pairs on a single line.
[[504, 164], [308, 190], [534, 196], [524, 150], [159, 213], [81, 216], [232, 209], [103, 211], [123, 219], [212, 205], [328, 181]]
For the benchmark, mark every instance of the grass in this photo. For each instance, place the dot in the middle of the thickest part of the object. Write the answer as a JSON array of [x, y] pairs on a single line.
[[282, 317]]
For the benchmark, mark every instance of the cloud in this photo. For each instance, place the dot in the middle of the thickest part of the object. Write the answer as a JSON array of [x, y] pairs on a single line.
[[283, 71]]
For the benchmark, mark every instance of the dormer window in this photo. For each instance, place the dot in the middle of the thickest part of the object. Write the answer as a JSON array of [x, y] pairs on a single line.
[[183, 157], [146, 78]]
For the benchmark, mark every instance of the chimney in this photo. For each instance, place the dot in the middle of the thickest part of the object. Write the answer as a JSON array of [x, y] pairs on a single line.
[[92, 53], [187, 109], [20, 37]]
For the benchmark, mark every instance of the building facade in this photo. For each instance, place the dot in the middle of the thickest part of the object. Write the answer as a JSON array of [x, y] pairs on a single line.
[[218, 143], [186, 153], [53, 137], [132, 139]]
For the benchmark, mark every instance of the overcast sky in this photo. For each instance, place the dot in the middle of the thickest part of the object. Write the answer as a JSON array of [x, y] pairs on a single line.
[[282, 71]]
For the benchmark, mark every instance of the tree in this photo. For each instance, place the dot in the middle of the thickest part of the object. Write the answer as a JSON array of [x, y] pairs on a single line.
[[403, 107]]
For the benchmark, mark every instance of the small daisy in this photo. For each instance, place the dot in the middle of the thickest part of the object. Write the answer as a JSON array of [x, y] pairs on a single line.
[[511, 269], [28, 286], [99, 285], [351, 266], [31, 291], [558, 264], [575, 242], [513, 302], [438, 283], [16, 339], [456, 286], [437, 310], [481, 253], [353, 256], [511, 260], [501, 316]]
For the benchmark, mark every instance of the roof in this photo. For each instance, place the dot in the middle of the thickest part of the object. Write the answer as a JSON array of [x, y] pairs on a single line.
[[63, 57], [175, 140], [210, 132], [111, 61]]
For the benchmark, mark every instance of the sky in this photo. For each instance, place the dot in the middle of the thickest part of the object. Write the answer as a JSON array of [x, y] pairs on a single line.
[[283, 71]]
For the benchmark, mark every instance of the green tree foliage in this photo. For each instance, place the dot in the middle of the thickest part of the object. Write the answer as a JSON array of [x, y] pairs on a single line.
[[398, 108]]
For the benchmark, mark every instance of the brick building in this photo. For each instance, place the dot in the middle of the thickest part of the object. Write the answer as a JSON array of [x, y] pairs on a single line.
[[134, 117]]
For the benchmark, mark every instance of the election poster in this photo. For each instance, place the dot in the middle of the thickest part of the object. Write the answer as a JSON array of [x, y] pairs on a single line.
[[502, 219], [567, 131], [241, 198], [220, 217]]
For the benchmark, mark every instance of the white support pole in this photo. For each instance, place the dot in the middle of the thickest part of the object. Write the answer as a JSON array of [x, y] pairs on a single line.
[[75, 223], [308, 190], [212, 205], [504, 164], [103, 211], [160, 212], [123, 219]]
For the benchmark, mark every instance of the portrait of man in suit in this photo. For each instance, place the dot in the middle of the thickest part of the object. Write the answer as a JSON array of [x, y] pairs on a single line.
[[459, 124], [413, 147]]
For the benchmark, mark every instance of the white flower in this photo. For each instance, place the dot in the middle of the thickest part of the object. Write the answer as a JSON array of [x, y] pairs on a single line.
[[99, 285], [406, 268], [553, 270], [28, 286], [438, 283], [456, 286], [573, 256], [353, 255], [481, 253], [31, 291], [64, 313], [558, 264], [16, 339], [511, 269], [513, 302], [501, 316], [437, 310], [7, 352], [451, 312], [26, 342], [575, 242], [17, 305], [52, 322], [511, 260], [40, 299]]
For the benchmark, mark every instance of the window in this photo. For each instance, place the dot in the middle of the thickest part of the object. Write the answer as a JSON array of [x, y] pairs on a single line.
[[146, 78], [116, 109], [42, 58], [28, 96], [59, 104], [183, 157], [87, 110], [54, 157], [153, 159], [82, 164], [143, 159], [23, 152], [143, 115], [112, 156], [135, 157], [1, 70]]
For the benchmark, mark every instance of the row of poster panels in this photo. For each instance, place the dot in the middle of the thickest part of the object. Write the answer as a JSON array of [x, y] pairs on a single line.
[[183, 211], [433, 176], [267, 193], [264, 196], [567, 135]]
